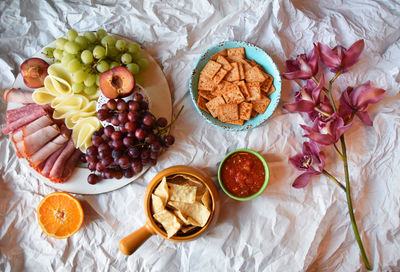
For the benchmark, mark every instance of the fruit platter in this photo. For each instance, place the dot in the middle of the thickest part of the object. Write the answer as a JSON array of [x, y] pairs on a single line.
[[89, 113]]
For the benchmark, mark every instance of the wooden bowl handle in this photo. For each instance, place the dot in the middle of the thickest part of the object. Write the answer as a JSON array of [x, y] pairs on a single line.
[[133, 241]]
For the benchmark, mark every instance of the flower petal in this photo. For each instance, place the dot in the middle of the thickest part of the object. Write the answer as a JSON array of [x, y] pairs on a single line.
[[364, 117], [313, 59], [297, 75], [364, 94], [328, 57], [301, 106], [302, 180], [352, 55], [296, 161]]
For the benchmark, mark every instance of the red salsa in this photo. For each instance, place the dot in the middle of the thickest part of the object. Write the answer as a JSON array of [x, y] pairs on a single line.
[[243, 174]]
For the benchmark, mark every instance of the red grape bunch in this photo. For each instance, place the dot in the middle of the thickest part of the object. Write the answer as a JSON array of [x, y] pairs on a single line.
[[134, 140]]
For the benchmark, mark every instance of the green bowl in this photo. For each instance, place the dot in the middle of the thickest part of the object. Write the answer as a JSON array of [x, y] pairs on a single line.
[[265, 168]]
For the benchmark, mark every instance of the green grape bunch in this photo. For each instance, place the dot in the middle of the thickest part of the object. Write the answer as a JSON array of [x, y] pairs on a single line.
[[87, 56]]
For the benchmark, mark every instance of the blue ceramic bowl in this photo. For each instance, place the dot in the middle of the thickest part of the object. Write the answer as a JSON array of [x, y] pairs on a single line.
[[253, 53]]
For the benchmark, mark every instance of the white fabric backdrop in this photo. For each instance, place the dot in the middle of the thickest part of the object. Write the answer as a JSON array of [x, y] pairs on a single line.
[[282, 230]]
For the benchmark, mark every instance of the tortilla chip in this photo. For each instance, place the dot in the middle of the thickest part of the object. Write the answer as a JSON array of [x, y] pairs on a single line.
[[213, 104], [206, 94], [187, 220], [186, 229], [195, 210], [162, 191], [245, 110], [157, 204], [206, 200], [223, 53], [224, 62], [232, 94], [255, 74], [219, 76], [236, 53], [205, 83], [254, 91], [228, 112], [182, 193], [261, 105], [211, 69], [169, 221], [233, 74], [201, 103]]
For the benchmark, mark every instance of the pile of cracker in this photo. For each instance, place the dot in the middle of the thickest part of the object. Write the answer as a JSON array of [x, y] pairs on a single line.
[[233, 88]]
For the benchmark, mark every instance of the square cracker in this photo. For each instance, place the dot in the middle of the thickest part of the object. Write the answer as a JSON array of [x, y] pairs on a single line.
[[211, 69], [232, 94], [238, 122], [219, 89], [246, 64], [206, 94], [254, 91], [255, 74], [223, 53], [201, 103], [213, 104], [271, 90], [241, 70], [253, 113], [205, 83], [266, 85], [228, 112], [261, 105], [236, 53], [219, 76], [243, 88], [233, 74], [245, 110], [224, 62]]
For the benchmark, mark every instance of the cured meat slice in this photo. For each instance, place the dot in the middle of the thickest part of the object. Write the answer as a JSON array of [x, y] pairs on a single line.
[[32, 127], [23, 121], [18, 113], [43, 153], [71, 164], [18, 96], [58, 168], [51, 160], [38, 139]]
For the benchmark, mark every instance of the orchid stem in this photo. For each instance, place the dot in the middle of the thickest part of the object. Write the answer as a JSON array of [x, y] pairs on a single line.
[[322, 112], [326, 173], [330, 90], [316, 81], [350, 205], [338, 151]]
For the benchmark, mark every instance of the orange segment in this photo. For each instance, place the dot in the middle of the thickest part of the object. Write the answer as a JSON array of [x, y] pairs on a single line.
[[60, 215]]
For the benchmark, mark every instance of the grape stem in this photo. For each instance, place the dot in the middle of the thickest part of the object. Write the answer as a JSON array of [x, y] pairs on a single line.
[[166, 129]]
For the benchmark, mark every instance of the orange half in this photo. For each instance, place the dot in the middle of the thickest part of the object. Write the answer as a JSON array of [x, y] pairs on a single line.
[[60, 215]]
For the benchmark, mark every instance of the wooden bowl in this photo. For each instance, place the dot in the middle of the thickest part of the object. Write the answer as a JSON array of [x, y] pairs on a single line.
[[130, 243]]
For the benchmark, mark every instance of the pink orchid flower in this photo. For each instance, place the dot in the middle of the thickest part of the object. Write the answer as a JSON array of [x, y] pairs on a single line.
[[326, 131], [356, 100], [312, 161], [303, 67], [309, 99], [340, 58]]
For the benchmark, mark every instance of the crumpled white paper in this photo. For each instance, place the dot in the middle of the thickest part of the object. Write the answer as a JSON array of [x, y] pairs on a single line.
[[284, 229]]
